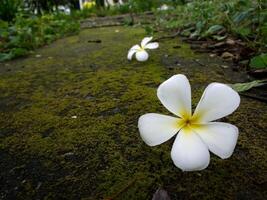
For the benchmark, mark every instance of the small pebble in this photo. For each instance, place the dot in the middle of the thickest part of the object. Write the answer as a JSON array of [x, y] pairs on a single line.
[[227, 55], [230, 42], [212, 55], [224, 66]]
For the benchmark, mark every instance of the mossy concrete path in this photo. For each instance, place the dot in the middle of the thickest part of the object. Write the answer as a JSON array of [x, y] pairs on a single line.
[[68, 118]]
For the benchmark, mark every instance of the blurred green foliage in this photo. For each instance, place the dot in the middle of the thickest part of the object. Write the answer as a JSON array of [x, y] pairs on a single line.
[[33, 23], [205, 18], [24, 27], [259, 62], [9, 9], [215, 19], [27, 33]]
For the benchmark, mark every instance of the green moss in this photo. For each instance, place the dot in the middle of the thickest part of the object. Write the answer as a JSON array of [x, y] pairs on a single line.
[[69, 124]]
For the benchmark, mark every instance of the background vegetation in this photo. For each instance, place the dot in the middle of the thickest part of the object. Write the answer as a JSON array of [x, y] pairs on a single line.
[[26, 26], [218, 20]]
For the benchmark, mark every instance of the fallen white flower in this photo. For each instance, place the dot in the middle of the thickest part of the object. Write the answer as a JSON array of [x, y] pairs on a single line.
[[197, 134], [140, 51], [164, 7]]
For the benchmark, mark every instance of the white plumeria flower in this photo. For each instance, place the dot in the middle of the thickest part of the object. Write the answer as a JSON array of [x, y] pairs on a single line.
[[197, 134], [140, 51]]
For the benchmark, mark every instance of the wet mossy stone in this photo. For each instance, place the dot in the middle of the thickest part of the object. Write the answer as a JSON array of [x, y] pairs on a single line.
[[69, 124]]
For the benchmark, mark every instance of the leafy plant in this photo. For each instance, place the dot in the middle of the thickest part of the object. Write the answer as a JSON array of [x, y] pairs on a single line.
[[213, 29], [215, 19], [259, 61], [30, 32]]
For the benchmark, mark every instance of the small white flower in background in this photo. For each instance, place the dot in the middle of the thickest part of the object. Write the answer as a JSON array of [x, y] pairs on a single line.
[[197, 134], [140, 51], [164, 7], [74, 117]]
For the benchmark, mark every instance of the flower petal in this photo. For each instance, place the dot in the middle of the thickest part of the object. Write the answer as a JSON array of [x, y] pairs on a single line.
[[145, 41], [220, 137], [131, 53], [141, 55], [135, 47], [156, 129], [189, 153], [152, 45], [217, 101], [175, 95]]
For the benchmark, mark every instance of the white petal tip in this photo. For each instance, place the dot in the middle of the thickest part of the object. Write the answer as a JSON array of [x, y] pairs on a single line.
[[218, 100], [153, 45], [191, 169], [145, 41], [189, 153], [175, 94]]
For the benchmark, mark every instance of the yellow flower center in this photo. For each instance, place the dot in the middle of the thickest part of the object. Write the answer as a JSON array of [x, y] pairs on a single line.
[[185, 122], [188, 122]]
